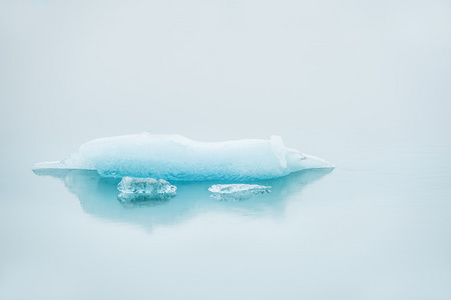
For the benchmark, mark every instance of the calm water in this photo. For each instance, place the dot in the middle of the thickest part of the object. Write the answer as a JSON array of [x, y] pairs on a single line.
[[361, 84], [376, 227]]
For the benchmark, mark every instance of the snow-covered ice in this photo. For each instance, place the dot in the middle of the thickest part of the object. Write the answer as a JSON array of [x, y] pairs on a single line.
[[176, 158]]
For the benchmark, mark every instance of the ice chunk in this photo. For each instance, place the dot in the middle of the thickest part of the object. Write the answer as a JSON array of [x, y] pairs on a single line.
[[237, 191], [176, 158], [236, 188], [149, 186]]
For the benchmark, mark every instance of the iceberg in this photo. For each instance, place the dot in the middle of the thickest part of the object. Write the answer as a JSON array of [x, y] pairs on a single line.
[[176, 158]]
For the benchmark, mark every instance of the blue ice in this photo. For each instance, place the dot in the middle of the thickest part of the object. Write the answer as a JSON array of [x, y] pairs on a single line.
[[176, 158]]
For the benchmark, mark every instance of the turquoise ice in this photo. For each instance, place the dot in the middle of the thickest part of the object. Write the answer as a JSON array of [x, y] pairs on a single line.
[[176, 158]]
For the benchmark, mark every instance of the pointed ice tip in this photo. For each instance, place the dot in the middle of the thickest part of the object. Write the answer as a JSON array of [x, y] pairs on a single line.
[[330, 166]]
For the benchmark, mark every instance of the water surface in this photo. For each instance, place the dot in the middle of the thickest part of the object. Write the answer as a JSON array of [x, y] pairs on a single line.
[[361, 84]]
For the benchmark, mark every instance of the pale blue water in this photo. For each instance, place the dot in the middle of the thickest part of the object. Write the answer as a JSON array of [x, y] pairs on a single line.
[[376, 227]]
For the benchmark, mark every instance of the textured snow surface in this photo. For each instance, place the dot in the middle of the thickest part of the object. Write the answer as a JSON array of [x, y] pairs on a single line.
[[176, 158]]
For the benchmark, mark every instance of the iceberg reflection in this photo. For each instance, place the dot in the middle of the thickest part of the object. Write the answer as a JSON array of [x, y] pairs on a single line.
[[137, 200], [100, 197]]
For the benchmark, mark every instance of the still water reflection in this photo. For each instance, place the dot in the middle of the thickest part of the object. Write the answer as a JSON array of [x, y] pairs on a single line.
[[99, 197]]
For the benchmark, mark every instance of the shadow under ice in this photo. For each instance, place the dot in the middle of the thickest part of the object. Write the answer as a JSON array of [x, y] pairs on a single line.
[[100, 198]]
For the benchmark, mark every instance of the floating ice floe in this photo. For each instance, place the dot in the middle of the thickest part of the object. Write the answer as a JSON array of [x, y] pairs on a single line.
[[237, 188], [237, 191], [144, 190], [145, 186], [176, 158]]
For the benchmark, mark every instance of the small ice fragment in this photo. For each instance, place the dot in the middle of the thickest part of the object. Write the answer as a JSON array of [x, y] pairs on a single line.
[[237, 191], [238, 188], [150, 186]]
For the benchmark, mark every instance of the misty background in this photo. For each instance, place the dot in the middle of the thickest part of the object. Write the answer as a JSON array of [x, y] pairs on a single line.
[[216, 70], [362, 84]]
